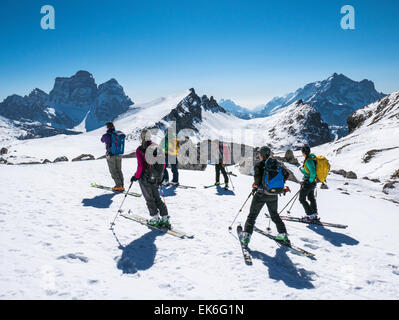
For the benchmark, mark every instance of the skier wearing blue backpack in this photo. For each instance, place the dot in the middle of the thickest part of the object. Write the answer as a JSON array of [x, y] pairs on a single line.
[[115, 145], [270, 178]]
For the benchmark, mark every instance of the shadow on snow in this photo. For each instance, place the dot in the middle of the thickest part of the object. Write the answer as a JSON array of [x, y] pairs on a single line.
[[139, 254], [101, 202], [335, 238], [281, 268], [222, 192], [168, 192]]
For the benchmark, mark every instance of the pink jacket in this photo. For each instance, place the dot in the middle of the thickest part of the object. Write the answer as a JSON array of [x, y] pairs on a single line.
[[140, 155]]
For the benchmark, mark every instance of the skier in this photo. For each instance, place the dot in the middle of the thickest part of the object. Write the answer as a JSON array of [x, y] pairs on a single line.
[[150, 177], [262, 197], [308, 185], [171, 150], [114, 159], [220, 165]]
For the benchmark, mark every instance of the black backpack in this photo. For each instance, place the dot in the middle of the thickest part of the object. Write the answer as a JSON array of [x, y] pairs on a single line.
[[153, 173]]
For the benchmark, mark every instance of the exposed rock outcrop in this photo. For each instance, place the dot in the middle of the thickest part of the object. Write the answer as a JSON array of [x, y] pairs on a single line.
[[61, 159], [84, 157], [345, 174]]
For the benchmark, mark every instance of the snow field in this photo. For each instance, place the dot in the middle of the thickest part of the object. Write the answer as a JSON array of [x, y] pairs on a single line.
[[56, 242]]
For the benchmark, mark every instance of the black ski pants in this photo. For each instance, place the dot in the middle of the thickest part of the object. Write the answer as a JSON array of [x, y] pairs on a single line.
[[258, 201], [153, 199], [307, 193], [175, 170], [221, 168]]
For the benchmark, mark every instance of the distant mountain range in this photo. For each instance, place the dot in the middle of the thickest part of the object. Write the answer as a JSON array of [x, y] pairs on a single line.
[[336, 98], [291, 127], [74, 104], [233, 108]]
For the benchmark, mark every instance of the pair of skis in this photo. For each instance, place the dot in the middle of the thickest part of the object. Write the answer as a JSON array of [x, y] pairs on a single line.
[[172, 231], [214, 185], [98, 186], [247, 252], [316, 222], [178, 186]]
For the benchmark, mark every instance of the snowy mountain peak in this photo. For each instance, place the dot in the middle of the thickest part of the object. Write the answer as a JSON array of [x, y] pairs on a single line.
[[335, 98], [298, 124], [210, 104], [371, 149], [79, 90], [71, 101], [235, 109]]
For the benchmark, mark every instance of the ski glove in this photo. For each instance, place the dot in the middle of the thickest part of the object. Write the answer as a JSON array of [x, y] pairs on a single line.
[[254, 188], [286, 189], [133, 179]]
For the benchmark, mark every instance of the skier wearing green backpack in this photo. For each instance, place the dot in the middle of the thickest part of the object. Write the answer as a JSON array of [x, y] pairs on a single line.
[[307, 193]]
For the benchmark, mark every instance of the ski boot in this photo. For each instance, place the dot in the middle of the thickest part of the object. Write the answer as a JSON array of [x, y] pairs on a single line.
[[165, 183], [246, 238], [226, 186], [118, 189], [311, 218], [282, 237], [154, 221], [164, 222]]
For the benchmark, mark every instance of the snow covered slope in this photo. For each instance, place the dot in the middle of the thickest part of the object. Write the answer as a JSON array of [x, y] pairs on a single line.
[[8, 132], [55, 242], [372, 148]]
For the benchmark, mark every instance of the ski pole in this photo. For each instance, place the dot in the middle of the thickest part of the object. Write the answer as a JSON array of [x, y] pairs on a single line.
[[120, 208], [289, 211], [294, 197], [231, 179], [297, 196], [240, 210]]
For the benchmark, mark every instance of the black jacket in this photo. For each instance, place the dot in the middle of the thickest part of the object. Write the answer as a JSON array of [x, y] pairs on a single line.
[[259, 169]]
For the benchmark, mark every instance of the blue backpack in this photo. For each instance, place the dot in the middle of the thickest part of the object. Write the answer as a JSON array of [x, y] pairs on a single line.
[[117, 143], [273, 177]]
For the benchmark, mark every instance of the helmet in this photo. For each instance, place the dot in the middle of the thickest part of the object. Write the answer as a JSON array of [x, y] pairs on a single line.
[[306, 149], [265, 151]]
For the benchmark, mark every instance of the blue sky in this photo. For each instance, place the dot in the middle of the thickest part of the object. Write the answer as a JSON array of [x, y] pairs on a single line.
[[249, 51]]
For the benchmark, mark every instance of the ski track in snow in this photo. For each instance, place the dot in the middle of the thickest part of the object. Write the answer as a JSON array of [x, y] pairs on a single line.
[[56, 242]]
